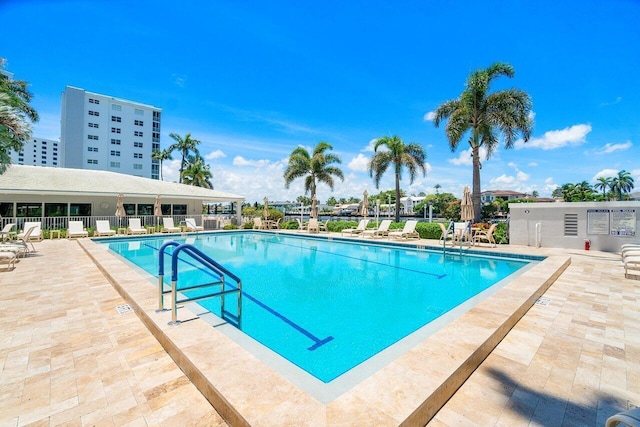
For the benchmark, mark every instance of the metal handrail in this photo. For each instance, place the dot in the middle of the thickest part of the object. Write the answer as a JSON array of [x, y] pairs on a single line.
[[205, 260], [446, 233]]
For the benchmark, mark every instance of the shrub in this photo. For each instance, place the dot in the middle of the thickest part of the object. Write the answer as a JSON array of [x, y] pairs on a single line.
[[235, 227], [428, 230], [289, 225], [500, 234]]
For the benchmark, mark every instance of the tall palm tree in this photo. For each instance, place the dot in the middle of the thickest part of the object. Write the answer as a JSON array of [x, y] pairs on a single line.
[[186, 146], [623, 183], [161, 156], [15, 115], [316, 167], [197, 173], [486, 115], [604, 183], [437, 187], [400, 155]]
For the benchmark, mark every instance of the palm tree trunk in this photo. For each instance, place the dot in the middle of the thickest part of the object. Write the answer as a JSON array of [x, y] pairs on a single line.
[[397, 196], [475, 196]]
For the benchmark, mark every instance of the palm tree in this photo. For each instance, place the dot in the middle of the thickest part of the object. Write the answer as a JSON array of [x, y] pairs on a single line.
[[15, 115], [437, 187], [197, 173], [398, 154], [161, 156], [315, 168], [603, 184], [623, 183], [186, 146], [486, 115]]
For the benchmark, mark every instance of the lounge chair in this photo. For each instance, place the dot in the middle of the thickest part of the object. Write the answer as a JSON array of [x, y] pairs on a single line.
[[21, 242], [257, 223], [624, 419], [302, 226], [103, 229], [381, 231], [9, 258], [76, 229], [485, 236], [190, 225], [358, 230], [35, 235], [168, 226], [323, 226], [631, 261], [461, 232], [313, 226], [135, 227], [447, 232], [275, 225], [408, 232], [6, 231]]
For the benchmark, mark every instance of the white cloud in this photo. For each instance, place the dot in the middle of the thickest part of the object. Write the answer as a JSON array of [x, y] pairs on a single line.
[[48, 127], [617, 100], [522, 177], [533, 164], [429, 116], [179, 79], [513, 165], [553, 139], [171, 170], [360, 163], [465, 157], [607, 173], [610, 148], [241, 162], [218, 154], [531, 115]]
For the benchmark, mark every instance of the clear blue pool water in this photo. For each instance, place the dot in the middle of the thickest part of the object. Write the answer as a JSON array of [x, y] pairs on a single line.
[[328, 305]]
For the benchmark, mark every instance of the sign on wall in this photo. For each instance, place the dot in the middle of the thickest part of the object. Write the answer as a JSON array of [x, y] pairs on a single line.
[[614, 222]]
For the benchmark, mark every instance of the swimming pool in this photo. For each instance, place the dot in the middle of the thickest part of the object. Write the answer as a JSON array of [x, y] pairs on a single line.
[[327, 306]]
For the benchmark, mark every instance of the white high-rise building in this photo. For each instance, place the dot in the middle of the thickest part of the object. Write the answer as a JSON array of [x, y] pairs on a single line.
[[106, 133], [39, 152]]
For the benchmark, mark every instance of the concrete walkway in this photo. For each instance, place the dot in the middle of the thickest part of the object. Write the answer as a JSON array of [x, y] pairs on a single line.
[[68, 357]]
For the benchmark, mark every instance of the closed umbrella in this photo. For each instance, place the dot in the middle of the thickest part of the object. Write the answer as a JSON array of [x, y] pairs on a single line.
[[314, 207], [157, 209], [466, 206], [120, 213], [364, 211], [265, 211]]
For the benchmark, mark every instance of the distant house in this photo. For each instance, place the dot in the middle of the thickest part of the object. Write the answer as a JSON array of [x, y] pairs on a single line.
[[408, 203], [491, 195]]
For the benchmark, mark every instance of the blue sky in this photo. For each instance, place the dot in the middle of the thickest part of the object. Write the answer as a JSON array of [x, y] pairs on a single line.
[[253, 80]]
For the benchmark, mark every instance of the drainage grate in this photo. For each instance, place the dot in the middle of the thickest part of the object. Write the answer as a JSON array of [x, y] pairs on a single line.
[[124, 309], [543, 301]]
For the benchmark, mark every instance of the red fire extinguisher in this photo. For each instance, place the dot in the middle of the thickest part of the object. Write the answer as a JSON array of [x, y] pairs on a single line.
[[587, 245]]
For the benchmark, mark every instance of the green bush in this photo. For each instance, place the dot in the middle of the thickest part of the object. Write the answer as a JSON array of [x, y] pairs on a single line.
[[289, 225], [234, 227], [500, 234], [429, 230]]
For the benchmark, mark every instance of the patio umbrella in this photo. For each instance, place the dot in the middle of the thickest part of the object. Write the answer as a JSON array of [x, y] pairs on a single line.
[[120, 213], [157, 210], [364, 210], [466, 206], [314, 207], [265, 211]]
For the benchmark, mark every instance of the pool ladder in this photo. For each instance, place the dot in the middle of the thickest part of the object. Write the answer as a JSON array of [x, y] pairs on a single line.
[[221, 287]]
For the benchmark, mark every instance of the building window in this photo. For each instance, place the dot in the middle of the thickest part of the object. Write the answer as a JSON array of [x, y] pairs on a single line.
[[139, 112], [138, 122], [116, 119], [93, 137], [115, 130], [156, 115], [93, 125], [92, 161], [94, 101], [115, 153], [115, 164], [94, 149], [137, 166], [29, 210], [179, 209], [80, 209], [115, 141], [116, 107], [55, 209], [137, 144], [137, 133], [94, 113], [137, 155]]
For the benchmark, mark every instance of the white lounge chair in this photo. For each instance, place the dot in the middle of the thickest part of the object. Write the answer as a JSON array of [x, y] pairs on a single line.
[[190, 225], [447, 233], [76, 229], [9, 258], [168, 226], [6, 231], [313, 226], [624, 419], [461, 232], [21, 243], [103, 229], [135, 227], [362, 225], [485, 236], [408, 232], [258, 224], [35, 235], [381, 231]]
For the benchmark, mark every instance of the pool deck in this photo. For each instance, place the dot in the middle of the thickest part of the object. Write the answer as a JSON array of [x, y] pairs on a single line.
[[69, 357]]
